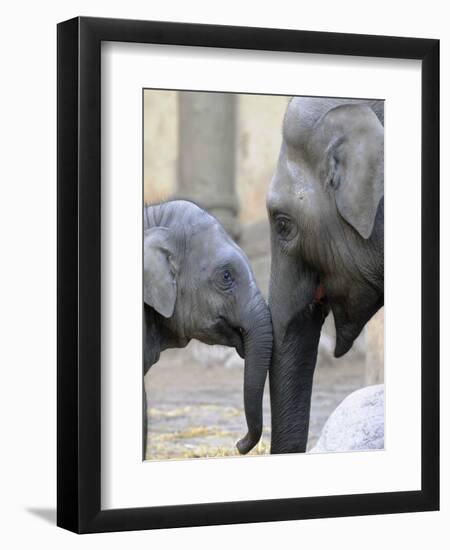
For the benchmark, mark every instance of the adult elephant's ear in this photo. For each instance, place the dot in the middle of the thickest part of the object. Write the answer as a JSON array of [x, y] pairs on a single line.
[[160, 271], [355, 163]]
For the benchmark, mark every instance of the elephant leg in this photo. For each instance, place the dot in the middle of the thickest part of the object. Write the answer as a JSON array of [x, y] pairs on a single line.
[[144, 422]]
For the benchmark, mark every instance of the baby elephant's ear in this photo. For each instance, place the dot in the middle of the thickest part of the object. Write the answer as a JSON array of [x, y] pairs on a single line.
[[160, 283]]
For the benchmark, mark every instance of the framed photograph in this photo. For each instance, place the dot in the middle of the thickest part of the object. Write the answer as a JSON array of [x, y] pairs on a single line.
[[248, 275]]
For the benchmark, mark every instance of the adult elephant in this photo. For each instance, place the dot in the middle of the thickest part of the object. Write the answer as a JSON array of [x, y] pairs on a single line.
[[326, 211], [198, 284]]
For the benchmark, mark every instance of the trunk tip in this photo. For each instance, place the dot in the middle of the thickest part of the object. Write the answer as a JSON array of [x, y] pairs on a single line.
[[247, 443]]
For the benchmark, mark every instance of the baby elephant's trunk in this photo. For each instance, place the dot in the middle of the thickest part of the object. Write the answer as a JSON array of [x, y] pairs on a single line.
[[257, 327]]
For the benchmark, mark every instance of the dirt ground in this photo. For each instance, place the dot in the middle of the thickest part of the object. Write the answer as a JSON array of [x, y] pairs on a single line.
[[196, 402]]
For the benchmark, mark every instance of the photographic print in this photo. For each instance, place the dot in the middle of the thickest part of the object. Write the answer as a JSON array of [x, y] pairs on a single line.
[[221, 275], [263, 280]]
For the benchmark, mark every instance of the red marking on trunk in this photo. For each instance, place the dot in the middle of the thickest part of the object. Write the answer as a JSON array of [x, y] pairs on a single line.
[[320, 294]]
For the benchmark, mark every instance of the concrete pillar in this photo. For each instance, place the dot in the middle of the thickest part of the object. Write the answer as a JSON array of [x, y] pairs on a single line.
[[206, 165], [375, 349]]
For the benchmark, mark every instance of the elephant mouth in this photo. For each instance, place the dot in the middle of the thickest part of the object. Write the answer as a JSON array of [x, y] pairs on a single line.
[[347, 323], [320, 295], [239, 341], [230, 336], [344, 339], [320, 299], [346, 330]]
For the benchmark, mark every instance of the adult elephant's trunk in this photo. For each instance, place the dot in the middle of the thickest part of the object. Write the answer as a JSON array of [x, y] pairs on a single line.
[[297, 316], [291, 379], [258, 339]]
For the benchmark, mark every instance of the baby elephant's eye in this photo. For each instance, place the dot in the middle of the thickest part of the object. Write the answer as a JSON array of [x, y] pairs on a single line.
[[224, 279]]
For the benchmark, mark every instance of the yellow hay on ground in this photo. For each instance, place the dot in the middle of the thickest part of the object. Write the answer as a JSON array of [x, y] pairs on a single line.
[[160, 450]]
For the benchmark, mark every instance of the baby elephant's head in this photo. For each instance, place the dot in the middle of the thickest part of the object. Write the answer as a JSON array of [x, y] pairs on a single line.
[[201, 284]]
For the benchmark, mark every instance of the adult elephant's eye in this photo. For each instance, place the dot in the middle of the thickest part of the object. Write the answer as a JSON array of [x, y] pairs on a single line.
[[227, 278], [281, 226], [285, 228]]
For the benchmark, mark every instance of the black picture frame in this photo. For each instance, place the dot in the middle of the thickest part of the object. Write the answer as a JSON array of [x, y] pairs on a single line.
[[79, 280]]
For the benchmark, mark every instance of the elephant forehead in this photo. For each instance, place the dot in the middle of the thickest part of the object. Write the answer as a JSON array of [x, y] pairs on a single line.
[[205, 239], [303, 113], [209, 239], [301, 116], [295, 124], [291, 182], [214, 248]]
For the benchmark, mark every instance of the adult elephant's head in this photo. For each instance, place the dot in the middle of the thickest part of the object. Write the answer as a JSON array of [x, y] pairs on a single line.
[[325, 205], [200, 284]]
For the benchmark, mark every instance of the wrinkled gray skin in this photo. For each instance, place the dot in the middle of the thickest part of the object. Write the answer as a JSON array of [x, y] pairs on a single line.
[[326, 211], [198, 284]]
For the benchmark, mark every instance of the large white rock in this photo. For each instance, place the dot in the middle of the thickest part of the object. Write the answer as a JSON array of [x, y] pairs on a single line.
[[356, 424]]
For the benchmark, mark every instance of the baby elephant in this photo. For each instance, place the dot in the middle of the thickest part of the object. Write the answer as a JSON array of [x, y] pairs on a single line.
[[198, 284]]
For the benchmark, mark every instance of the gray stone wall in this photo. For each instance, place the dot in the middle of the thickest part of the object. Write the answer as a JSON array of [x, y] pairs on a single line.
[[257, 140], [206, 154]]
